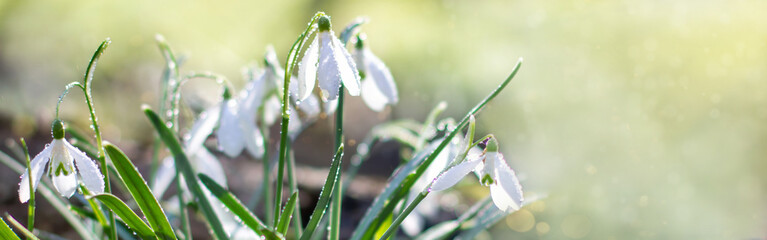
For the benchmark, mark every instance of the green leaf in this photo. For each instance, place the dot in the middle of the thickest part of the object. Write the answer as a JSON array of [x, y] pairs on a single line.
[[324, 200], [287, 212], [20, 227], [399, 176], [374, 211], [439, 231], [6, 232], [382, 229], [184, 167], [138, 188], [122, 229], [128, 216], [234, 205]]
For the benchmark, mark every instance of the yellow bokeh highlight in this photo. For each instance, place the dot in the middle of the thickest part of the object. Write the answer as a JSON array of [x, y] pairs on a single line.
[[521, 221]]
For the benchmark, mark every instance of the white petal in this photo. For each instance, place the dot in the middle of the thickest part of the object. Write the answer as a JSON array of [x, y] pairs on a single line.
[[307, 71], [89, 172], [229, 134], [373, 97], [38, 168], [272, 110], [164, 176], [328, 74], [381, 75], [65, 184], [510, 195], [346, 67], [202, 128], [413, 224], [330, 106], [254, 95], [209, 165], [310, 106], [254, 140], [453, 175], [294, 127], [65, 181], [433, 171]]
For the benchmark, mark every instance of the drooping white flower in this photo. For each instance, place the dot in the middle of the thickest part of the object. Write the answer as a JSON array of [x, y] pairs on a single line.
[[327, 62], [66, 164], [493, 171], [236, 128], [378, 88]]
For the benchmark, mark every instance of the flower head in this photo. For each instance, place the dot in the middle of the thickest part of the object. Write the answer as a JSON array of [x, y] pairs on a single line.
[[66, 164], [327, 62], [378, 88], [493, 171]]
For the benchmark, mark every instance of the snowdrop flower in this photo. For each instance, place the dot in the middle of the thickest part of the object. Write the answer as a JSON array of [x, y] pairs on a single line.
[[378, 88], [66, 164], [327, 62], [493, 171], [236, 128]]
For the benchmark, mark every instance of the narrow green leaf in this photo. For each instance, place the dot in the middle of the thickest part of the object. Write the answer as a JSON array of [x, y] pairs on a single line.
[[6, 232], [399, 176], [20, 227], [138, 188], [322, 203], [233, 204], [287, 212], [53, 198], [184, 167], [382, 229], [374, 211], [128, 216]]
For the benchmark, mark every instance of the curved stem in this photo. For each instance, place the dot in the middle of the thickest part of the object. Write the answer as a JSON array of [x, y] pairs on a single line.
[[86, 87], [176, 95], [335, 209], [31, 209], [291, 62]]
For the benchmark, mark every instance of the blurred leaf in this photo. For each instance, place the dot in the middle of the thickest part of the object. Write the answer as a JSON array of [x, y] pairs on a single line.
[[20, 227], [182, 164], [325, 194], [382, 228], [233, 204], [138, 188], [126, 214], [6, 232], [439, 231]]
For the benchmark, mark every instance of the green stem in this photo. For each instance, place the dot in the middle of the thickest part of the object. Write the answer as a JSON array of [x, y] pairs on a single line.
[[31, 210], [395, 225], [267, 183], [185, 227], [422, 168], [407, 184], [176, 95], [291, 62], [335, 209], [86, 87]]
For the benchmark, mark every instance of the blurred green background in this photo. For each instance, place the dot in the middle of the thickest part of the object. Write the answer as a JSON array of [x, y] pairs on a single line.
[[639, 119]]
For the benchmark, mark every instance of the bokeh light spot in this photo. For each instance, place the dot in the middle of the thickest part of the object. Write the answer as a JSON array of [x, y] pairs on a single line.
[[521, 221]]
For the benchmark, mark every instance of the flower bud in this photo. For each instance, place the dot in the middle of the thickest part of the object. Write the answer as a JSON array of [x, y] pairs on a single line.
[[324, 23], [57, 129]]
